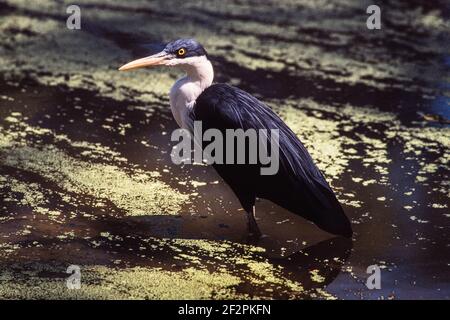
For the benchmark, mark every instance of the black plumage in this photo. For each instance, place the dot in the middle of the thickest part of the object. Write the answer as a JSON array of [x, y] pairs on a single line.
[[299, 186]]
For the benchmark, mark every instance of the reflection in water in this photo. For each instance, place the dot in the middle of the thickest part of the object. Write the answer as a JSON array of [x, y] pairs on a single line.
[[318, 265]]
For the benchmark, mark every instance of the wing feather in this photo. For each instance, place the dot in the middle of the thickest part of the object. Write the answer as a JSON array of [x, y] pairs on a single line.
[[299, 186]]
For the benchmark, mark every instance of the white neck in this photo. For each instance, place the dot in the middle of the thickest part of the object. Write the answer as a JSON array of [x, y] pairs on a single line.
[[199, 76], [199, 70]]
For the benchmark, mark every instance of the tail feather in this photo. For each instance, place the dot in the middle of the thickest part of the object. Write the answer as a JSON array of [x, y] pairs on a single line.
[[318, 205], [327, 214]]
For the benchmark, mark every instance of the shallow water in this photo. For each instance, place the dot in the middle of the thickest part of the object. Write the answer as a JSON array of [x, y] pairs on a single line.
[[86, 176]]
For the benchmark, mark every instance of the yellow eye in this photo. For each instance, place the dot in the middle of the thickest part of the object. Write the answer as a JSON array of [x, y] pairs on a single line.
[[181, 52]]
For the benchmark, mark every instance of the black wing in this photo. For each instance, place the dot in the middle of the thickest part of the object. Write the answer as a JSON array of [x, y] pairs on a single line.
[[299, 186]]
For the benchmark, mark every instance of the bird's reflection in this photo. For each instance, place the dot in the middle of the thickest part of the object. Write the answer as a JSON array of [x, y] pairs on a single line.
[[323, 260], [313, 267]]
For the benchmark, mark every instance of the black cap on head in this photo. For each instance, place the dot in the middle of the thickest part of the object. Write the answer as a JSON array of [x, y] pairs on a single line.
[[184, 48]]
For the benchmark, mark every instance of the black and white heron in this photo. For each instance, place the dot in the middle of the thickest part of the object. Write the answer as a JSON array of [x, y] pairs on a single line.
[[298, 186]]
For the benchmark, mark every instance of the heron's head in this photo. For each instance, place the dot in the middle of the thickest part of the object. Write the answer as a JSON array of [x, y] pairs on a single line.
[[182, 52]]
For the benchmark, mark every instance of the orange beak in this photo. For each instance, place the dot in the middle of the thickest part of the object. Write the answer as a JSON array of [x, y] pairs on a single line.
[[154, 60]]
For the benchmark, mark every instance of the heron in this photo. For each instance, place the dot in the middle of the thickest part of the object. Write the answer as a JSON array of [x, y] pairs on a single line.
[[298, 186]]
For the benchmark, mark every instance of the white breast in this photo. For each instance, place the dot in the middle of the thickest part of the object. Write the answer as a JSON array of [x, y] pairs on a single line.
[[182, 100], [185, 91]]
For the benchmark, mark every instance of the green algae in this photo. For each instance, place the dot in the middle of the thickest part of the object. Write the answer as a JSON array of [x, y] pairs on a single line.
[[316, 277], [264, 47], [137, 193], [98, 282], [192, 282]]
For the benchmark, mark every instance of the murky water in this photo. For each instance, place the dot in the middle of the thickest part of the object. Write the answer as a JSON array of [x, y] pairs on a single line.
[[86, 176]]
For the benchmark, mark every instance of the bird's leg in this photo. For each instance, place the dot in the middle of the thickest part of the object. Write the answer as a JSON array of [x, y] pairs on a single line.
[[252, 224]]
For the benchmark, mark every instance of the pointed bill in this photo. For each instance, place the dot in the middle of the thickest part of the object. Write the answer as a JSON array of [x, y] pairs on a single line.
[[154, 60]]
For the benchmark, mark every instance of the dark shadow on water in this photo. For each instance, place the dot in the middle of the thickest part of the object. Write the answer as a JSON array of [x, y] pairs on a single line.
[[314, 267], [327, 257]]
